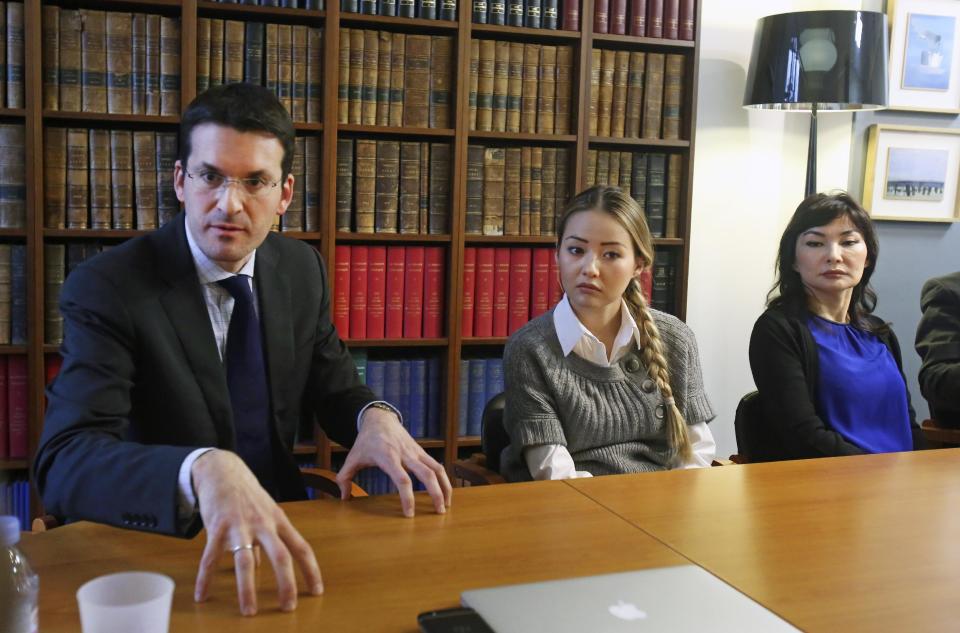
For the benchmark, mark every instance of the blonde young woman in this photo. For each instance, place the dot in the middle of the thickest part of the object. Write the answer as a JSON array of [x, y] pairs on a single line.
[[602, 383]]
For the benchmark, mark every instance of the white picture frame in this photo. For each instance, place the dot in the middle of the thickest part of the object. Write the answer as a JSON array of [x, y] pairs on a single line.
[[924, 65]]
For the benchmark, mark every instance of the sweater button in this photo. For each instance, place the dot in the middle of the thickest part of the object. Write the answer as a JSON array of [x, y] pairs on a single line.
[[659, 411], [632, 365], [647, 386]]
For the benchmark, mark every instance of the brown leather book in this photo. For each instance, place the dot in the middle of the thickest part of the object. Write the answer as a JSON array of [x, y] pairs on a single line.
[[54, 273], [285, 66], [547, 90], [531, 82], [100, 208], [151, 86], [634, 112], [121, 178], [441, 61], [626, 172], [424, 221], [525, 160], [687, 23], [93, 42], [71, 25], [388, 186], [416, 81], [314, 76], [343, 76], [13, 176], [385, 48], [398, 61], [608, 66], [344, 209], [485, 85], [501, 82], [548, 189], [601, 16], [511, 191], [654, 18], [536, 188], [119, 62], [638, 18], [271, 58], [514, 86], [473, 221], [368, 91], [561, 122], [298, 81], [671, 19], [311, 184], [590, 170], [51, 57], [217, 37], [55, 177], [145, 179], [355, 87], [618, 112], [494, 164], [674, 179], [603, 167], [474, 83], [653, 96], [561, 194], [410, 187], [203, 54], [167, 204], [138, 62], [672, 95], [292, 220], [618, 17], [14, 49], [596, 62], [365, 196], [233, 51], [440, 159], [613, 173], [5, 298]]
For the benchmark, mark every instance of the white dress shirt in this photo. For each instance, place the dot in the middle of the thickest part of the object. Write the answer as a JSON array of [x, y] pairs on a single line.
[[553, 461]]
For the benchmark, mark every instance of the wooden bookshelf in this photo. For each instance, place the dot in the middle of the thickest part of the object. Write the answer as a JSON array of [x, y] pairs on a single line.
[[452, 345]]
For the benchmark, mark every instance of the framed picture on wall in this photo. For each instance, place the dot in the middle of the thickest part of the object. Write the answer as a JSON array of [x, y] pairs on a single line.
[[912, 174], [924, 55]]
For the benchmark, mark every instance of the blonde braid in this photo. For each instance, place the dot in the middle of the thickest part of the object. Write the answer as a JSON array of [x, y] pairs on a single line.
[[656, 363]]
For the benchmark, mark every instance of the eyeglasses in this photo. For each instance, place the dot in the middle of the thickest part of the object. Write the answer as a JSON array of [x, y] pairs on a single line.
[[211, 182]]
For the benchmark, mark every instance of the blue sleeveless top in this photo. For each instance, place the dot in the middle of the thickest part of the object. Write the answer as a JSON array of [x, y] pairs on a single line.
[[860, 392]]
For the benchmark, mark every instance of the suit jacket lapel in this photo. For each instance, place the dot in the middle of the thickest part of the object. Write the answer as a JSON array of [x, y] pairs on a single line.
[[276, 322]]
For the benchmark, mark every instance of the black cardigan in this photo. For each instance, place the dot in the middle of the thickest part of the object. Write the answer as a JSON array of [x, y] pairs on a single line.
[[786, 367]]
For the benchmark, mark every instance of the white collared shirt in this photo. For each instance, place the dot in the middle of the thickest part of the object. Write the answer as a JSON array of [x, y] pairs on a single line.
[[553, 461]]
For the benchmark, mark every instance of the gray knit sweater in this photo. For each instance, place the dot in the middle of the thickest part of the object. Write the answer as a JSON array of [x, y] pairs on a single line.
[[611, 419]]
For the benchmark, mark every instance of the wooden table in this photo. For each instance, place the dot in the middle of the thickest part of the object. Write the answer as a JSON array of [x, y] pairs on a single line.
[[380, 570], [867, 543]]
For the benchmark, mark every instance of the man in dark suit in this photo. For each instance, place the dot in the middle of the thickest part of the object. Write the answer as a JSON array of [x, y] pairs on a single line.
[[938, 343], [192, 355]]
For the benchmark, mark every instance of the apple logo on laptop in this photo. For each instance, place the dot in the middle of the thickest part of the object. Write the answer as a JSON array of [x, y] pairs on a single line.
[[627, 611]]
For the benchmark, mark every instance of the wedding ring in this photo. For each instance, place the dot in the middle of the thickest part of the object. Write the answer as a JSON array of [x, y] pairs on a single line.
[[240, 548]]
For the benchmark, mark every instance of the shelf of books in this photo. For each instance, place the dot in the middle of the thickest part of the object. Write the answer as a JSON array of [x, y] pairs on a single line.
[[437, 143]]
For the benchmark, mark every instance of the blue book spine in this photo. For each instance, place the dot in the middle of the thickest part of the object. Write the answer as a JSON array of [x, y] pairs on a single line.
[[391, 384], [23, 511], [360, 361], [464, 399], [376, 377], [417, 405], [18, 294], [494, 378], [434, 398], [403, 403], [478, 390]]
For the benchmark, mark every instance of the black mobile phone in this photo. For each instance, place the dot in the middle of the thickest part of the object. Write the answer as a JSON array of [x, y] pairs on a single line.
[[456, 620]]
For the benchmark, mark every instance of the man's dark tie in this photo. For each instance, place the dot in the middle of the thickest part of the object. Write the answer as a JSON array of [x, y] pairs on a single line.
[[247, 381]]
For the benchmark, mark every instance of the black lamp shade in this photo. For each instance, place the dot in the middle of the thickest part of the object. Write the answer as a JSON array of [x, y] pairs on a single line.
[[834, 59]]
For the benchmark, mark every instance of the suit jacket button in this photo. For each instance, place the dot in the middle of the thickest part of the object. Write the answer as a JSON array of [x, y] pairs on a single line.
[[659, 411], [632, 365], [647, 386]]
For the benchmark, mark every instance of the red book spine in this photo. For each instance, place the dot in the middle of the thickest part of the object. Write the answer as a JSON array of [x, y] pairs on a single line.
[[686, 28], [483, 301], [17, 405], [396, 274], [413, 293], [571, 15], [646, 283], [556, 290], [359, 257], [655, 18], [501, 290], [469, 289], [671, 19], [601, 10], [638, 17], [4, 413], [51, 367], [376, 291], [540, 286], [519, 288], [433, 292], [341, 290], [618, 17]]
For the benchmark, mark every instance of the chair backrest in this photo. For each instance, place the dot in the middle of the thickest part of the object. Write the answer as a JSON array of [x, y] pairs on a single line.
[[493, 437], [747, 425]]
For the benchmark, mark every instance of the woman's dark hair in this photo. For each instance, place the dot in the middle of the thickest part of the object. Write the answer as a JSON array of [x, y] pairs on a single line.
[[788, 292], [243, 107]]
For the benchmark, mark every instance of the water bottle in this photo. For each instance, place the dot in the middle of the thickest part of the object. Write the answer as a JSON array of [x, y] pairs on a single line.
[[18, 584]]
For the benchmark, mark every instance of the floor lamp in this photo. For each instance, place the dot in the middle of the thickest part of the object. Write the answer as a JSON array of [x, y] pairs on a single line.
[[818, 61]]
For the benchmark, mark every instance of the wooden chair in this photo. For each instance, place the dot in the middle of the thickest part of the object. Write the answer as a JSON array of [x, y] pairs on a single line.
[[940, 436], [483, 468]]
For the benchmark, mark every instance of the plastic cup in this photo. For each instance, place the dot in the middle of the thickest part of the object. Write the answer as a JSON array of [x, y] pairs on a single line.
[[129, 601]]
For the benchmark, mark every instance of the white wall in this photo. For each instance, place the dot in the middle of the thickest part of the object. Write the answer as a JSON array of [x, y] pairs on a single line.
[[749, 174]]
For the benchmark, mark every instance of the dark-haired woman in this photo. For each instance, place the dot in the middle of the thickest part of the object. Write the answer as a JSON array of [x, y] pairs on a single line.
[[828, 371]]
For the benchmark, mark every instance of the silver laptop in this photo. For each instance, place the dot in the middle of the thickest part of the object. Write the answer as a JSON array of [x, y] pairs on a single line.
[[674, 599]]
